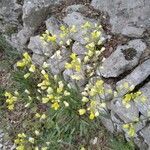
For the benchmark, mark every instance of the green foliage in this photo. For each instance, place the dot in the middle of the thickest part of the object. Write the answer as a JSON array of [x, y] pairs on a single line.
[[120, 144], [9, 54]]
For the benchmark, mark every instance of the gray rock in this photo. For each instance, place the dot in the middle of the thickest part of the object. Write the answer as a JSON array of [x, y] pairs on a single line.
[[67, 77], [78, 20], [124, 58], [131, 31], [9, 14], [108, 91], [79, 49], [57, 62], [126, 114], [53, 26], [24, 35], [76, 8], [144, 107], [136, 77], [34, 13], [40, 47], [116, 121], [140, 143], [145, 134], [124, 13], [38, 59], [108, 124]]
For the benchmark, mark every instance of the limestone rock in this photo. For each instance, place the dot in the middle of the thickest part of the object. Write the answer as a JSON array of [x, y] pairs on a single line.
[[126, 114], [76, 8], [78, 20], [144, 107], [40, 47], [79, 49], [108, 124], [57, 61], [53, 26], [125, 13], [145, 134], [80, 83], [34, 13], [136, 77], [38, 59], [10, 11], [131, 31], [124, 58], [108, 91]]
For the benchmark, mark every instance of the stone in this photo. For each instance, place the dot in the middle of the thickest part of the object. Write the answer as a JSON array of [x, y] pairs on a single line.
[[108, 124], [126, 114], [124, 13], [78, 84], [57, 61], [34, 13], [24, 35], [53, 26], [137, 76], [10, 11], [107, 96], [133, 31], [123, 59], [117, 122], [77, 19], [140, 143], [76, 8], [145, 134], [38, 59], [40, 47], [144, 107], [79, 49]]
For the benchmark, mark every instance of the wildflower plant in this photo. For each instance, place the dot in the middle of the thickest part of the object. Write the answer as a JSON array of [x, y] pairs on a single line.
[[55, 114]]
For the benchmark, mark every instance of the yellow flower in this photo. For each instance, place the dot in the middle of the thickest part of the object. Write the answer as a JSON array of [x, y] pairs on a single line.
[[31, 140], [66, 104], [126, 85], [37, 115], [45, 65], [44, 148], [55, 105], [27, 56], [66, 93], [51, 38], [92, 116], [62, 28], [82, 111], [26, 75], [86, 25], [10, 107], [49, 90], [20, 64], [20, 147], [32, 68], [37, 132], [73, 29], [45, 100], [95, 34], [85, 99], [43, 116], [125, 126], [68, 66]]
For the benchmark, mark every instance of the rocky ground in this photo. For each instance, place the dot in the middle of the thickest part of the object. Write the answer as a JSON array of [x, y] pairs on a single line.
[[126, 37]]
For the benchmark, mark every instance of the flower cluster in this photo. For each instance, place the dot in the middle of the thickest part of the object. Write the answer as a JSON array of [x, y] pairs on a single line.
[[11, 99], [130, 129], [90, 94]]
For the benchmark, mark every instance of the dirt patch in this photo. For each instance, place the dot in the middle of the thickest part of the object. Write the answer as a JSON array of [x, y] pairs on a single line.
[[112, 43]]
